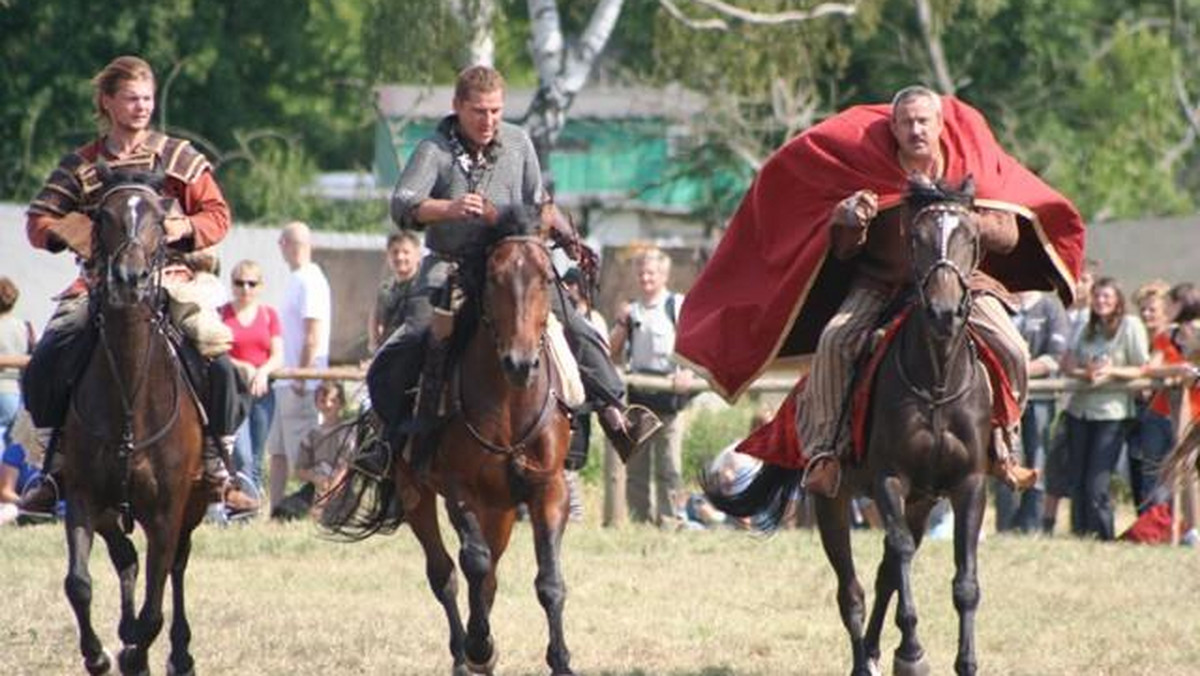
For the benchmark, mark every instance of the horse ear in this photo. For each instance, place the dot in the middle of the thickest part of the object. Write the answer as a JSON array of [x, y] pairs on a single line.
[[968, 187]]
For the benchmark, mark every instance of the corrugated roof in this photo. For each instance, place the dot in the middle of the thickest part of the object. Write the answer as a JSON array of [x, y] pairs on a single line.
[[599, 102]]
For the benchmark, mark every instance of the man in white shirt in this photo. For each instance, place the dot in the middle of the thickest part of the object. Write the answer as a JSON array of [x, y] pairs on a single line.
[[305, 317]]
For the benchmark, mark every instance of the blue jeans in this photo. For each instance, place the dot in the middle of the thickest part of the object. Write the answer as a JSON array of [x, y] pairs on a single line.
[[1155, 438], [1094, 446], [10, 403], [252, 438], [1025, 513]]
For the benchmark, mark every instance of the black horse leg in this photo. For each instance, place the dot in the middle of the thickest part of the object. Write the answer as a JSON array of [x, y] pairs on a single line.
[[887, 579], [475, 558], [180, 662], [833, 520], [78, 583], [890, 495], [161, 544], [548, 514], [125, 559], [439, 570], [969, 502]]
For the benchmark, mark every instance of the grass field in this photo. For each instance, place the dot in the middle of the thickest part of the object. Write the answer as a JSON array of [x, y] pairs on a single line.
[[278, 599]]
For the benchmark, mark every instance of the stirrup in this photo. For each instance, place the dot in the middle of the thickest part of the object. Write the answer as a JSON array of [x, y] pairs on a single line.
[[48, 511], [817, 459]]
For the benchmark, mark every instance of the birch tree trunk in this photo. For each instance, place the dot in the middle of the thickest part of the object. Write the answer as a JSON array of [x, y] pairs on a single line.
[[477, 16], [562, 70]]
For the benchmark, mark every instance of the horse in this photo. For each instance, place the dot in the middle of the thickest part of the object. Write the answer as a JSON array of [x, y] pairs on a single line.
[[929, 429], [133, 436], [504, 443]]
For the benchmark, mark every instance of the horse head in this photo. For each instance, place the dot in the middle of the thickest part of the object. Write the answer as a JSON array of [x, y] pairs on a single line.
[[943, 239], [516, 294], [129, 235]]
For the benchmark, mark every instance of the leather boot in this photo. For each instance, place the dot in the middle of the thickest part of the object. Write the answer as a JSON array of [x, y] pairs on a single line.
[[1004, 465], [41, 498], [216, 451], [628, 429], [427, 421], [823, 475]]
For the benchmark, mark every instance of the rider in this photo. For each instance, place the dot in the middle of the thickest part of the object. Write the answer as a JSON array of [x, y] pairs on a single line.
[[198, 217], [873, 242], [451, 187], [816, 250]]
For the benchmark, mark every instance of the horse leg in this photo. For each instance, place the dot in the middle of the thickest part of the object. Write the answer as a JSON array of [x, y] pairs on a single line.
[[548, 515], [180, 662], [833, 521], [478, 565], [125, 559], [78, 583], [439, 570], [890, 494], [969, 501], [887, 579], [162, 541]]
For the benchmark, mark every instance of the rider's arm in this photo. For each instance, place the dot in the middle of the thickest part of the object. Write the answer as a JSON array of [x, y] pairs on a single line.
[[997, 230], [414, 188], [206, 210]]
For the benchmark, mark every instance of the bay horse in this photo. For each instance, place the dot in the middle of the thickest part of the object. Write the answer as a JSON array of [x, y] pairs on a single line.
[[133, 436], [505, 443], [929, 431]]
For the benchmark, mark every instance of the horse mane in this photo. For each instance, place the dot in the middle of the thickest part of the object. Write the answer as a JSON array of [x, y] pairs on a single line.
[[922, 192], [111, 178], [518, 220]]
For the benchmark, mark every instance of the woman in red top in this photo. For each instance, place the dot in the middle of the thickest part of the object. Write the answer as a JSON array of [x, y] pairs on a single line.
[[257, 351]]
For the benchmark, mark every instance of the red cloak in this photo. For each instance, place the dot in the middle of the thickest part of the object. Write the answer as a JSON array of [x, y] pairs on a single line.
[[771, 286]]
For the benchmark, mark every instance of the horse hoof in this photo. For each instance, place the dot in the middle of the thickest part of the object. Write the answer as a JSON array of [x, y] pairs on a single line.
[[132, 662], [171, 671], [873, 667], [460, 670], [485, 668], [917, 667], [100, 666]]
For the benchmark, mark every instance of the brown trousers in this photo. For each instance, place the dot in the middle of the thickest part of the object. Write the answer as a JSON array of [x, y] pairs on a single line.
[[842, 340]]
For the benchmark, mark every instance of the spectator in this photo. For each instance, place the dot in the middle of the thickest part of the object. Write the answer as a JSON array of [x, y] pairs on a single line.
[[1153, 436], [1057, 482], [581, 424], [391, 301], [731, 472], [16, 338], [19, 466], [257, 351], [645, 333], [323, 452], [305, 320], [1112, 346], [1042, 322]]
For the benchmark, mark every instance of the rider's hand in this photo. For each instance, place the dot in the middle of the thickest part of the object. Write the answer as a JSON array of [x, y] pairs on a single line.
[[858, 209], [75, 231], [177, 224], [470, 205]]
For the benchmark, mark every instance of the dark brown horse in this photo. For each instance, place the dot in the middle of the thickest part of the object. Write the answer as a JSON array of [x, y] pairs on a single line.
[[132, 440], [929, 430], [505, 444]]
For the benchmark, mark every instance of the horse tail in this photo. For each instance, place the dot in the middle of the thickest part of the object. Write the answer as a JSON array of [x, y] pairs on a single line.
[[1183, 459], [766, 497], [365, 500]]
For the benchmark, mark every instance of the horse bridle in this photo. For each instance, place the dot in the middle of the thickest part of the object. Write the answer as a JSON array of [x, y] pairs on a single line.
[[516, 448], [128, 392], [936, 395], [940, 211]]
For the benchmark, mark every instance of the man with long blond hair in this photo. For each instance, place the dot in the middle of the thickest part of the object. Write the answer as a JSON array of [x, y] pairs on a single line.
[[198, 217]]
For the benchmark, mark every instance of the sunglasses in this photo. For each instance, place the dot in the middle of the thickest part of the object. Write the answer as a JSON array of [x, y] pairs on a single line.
[[246, 283]]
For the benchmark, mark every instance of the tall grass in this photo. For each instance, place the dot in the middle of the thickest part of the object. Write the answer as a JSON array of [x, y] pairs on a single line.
[[278, 599]]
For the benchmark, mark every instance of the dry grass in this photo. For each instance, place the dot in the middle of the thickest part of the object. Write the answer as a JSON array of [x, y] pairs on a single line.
[[270, 599]]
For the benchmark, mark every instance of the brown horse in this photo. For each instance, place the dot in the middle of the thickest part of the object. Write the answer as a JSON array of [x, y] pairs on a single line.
[[929, 430], [504, 444], [132, 441]]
